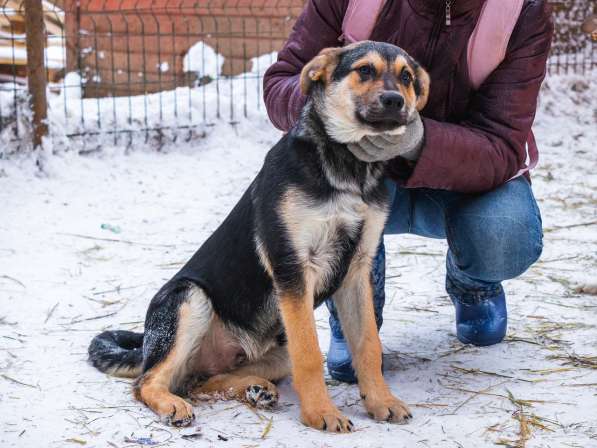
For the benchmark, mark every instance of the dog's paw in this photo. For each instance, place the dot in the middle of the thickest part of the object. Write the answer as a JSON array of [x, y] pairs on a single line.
[[264, 395], [181, 413], [389, 409], [326, 419]]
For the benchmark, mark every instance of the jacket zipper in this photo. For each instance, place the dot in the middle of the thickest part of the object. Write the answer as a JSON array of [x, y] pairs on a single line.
[[436, 32]]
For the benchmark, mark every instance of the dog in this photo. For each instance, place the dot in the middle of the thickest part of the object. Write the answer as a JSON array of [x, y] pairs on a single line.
[[239, 315]]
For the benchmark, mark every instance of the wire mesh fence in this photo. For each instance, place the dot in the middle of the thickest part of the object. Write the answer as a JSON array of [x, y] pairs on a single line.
[[162, 70], [572, 51], [13, 61]]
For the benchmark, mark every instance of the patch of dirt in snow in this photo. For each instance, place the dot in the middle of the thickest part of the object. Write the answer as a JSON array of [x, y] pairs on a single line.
[[63, 279]]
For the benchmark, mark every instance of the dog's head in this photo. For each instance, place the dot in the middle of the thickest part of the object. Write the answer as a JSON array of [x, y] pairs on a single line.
[[365, 88]]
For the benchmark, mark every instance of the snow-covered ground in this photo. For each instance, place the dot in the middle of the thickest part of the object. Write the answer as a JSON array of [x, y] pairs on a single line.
[[84, 246]]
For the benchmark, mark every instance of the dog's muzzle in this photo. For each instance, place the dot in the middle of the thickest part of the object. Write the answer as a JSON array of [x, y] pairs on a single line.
[[387, 113]]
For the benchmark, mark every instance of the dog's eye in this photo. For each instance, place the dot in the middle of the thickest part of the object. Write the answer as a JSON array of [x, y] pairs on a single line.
[[365, 70], [406, 78]]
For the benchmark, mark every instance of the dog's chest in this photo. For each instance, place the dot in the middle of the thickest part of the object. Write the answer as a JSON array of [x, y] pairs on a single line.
[[326, 234]]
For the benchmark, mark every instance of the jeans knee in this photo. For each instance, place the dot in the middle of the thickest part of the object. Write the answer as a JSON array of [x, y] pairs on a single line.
[[493, 249], [530, 252]]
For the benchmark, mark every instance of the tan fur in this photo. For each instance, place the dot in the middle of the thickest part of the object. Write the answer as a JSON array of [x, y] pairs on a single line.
[[339, 112], [154, 390], [354, 302], [320, 67], [218, 351], [274, 365], [317, 410], [424, 81], [374, 59], [155, 387], [341, 97], [234, 386], [263, 257], [312, 227], [124, 371], [367, 91], [408, 92]]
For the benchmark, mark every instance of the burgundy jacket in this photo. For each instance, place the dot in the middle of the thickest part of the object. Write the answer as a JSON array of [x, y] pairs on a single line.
[[474, 140]]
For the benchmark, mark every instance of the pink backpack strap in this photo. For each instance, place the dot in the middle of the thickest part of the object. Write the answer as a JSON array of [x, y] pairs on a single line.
[[487, 49], [359, 20], [489, 41]]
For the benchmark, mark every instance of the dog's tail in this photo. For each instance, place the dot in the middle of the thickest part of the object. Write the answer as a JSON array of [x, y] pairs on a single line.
[[117, 353]]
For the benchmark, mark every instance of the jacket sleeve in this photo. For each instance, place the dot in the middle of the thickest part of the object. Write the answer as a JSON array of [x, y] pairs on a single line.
[[319, 26], [489, 146]]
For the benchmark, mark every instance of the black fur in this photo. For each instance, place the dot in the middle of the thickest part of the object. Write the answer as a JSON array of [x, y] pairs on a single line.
[[114, 350], [161, 321]]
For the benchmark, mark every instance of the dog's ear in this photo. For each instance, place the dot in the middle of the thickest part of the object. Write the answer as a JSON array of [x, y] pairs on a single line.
[[320, 68], [421, 87]]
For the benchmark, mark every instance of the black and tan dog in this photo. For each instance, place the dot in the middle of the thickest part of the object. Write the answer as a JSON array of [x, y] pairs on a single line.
[[239, 314]]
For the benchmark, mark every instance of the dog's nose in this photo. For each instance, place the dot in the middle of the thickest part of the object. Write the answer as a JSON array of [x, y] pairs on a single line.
[[391, 101]]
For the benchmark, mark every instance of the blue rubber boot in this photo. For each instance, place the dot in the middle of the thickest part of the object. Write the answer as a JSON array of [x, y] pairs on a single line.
[[481, 319], [339, 359]]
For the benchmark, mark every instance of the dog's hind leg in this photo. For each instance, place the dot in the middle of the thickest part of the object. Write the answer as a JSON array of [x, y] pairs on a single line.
[[253, 390], [273, 365], [251, 383], [177, 320]]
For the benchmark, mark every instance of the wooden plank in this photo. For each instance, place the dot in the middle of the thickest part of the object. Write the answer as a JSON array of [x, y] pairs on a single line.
[[15, 61], [9, 43], [71, 32], [36, 71]]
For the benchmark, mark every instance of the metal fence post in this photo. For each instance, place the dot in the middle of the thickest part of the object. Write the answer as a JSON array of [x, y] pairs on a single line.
[[36, 67]]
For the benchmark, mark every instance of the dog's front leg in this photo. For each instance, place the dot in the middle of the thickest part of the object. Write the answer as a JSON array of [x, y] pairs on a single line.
[[354, 302], [317, 409]]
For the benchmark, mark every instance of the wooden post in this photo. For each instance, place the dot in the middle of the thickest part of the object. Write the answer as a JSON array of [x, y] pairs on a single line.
[[72, 19], [36, 67]]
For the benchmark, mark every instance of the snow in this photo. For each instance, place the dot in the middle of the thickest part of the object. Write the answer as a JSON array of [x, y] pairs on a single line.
[[197, 109], [203, 60], [164, 66], [55, 52], [72, 91], [64, 278], [54, 55]]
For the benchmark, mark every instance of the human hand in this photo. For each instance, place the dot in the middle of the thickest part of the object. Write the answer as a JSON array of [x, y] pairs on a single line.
[[386, 146]]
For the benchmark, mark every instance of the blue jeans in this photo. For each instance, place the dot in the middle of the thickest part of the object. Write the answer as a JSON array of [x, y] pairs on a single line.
[[492, 237]]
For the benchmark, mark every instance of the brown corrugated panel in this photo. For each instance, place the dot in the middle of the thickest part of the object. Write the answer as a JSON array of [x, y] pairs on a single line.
[[120, 42]]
